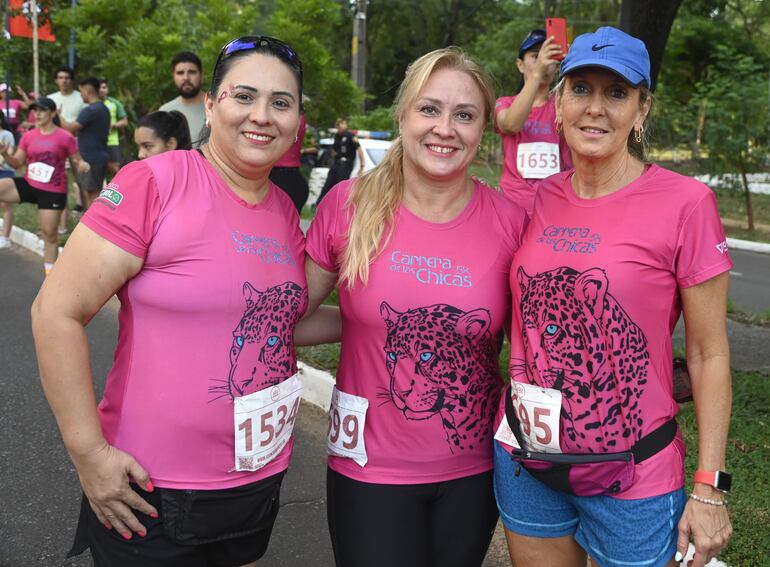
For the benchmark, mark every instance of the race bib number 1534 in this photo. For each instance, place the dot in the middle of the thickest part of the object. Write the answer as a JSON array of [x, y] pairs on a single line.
[[264, 421]]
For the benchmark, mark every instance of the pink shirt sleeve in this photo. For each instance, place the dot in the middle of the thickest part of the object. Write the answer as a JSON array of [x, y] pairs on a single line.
[[324, 241], [126, 211], [701, 251], [24, 142], [501, 104], [71, 144]]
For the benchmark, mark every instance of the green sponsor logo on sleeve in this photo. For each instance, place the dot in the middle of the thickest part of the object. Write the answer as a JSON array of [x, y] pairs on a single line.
[[112, 195]]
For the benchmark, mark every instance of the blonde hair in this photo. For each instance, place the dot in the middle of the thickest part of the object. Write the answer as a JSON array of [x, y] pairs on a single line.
[[636, 149], [376, 196]]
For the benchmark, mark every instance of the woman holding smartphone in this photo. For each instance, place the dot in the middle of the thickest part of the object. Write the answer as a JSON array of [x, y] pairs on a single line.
[[532, 147]]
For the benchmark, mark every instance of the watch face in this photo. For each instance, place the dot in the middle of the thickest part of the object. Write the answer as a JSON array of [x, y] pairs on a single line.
[[723, 481]]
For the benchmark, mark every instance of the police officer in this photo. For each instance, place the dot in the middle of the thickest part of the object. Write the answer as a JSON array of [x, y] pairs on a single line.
[[345, 146]]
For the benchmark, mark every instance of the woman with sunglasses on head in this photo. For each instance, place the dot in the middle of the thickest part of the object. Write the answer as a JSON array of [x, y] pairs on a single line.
[[423, 297], [161, 131], [182, 461], [45, 150], [532, 147], [615, 251]]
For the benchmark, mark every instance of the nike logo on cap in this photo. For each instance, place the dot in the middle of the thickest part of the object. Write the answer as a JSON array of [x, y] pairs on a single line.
[[595, 47]]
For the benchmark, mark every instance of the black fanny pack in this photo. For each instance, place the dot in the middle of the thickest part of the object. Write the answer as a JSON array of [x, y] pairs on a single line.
[[587, 474]]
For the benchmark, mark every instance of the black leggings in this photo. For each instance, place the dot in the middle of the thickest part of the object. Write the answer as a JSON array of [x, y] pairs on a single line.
[[339, 171], [441, 524], [294, 184]]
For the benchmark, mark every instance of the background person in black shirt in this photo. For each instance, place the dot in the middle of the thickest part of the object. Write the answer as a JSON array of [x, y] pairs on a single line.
[[92, 127], [345, 148]]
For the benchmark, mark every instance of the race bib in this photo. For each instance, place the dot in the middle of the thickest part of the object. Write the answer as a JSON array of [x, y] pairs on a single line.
[[537, 160], [264, 421], [347, 417], [40, 172], [505, 435], [538, 410]]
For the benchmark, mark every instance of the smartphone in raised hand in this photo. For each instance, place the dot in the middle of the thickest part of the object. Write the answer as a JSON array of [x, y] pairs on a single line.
[[557, 27]]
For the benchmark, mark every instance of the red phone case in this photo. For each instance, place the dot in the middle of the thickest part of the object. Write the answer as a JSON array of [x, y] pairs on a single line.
[[557, 27]]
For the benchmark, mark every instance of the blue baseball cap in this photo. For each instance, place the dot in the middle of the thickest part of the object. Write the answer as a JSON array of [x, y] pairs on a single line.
[[534, 38], [610, 49]]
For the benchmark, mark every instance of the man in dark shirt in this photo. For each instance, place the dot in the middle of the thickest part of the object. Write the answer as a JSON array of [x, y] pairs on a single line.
[[92, 127], [345, 147]]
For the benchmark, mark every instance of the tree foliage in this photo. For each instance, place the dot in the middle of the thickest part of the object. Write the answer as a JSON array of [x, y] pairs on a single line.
[[131, 42], [736, 133]]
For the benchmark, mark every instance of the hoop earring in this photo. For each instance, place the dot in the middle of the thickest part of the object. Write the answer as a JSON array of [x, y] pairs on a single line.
[[638, 135], [207, 123], [558, 126]]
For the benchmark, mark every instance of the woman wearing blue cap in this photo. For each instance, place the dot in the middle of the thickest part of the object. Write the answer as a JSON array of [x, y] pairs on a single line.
[[532, 149], [589, 459]]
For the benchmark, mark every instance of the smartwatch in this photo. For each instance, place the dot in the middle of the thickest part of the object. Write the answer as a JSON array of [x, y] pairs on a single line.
[[718, 479]]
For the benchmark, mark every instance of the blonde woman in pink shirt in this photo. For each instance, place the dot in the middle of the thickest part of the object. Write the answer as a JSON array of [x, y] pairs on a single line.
[[182, 461], [590, 460], [421, 253]]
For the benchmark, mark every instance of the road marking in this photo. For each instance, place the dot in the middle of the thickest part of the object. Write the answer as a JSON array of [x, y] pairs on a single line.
[[739, 274]]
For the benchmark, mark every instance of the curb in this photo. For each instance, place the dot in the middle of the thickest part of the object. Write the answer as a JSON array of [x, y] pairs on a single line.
[[748, 245], [26, 239], [317, 384]]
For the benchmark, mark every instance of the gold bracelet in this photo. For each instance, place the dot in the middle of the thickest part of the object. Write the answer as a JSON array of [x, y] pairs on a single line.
[[708, 500]]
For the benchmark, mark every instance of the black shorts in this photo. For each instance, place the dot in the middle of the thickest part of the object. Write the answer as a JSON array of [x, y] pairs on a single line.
[[195, 528], [439, 524], [291, 180], [115, 154], [43, 199], [94, 179]]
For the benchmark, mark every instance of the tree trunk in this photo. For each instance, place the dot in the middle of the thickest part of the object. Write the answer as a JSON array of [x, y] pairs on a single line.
[[650, 21], [701, 121], [747, 194]]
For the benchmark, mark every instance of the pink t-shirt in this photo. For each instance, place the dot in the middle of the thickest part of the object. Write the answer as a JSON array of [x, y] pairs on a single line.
[[596, 284], [293, 156], [210, 315], [14, 111], [46, 157], [419, 341], [540, 127]]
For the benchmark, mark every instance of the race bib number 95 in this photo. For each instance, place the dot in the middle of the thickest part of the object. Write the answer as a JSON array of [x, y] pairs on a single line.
[[264, 422], [538, 410]]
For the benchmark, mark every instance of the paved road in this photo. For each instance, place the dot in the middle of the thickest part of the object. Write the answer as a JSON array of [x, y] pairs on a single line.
[[39, 491], [750, 281]]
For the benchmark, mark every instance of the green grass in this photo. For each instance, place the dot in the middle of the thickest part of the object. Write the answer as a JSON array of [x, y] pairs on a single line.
[[737, 314], [25, 216], [488, 172], [748, 453], [756, 235], [307, 213], [732, 204]]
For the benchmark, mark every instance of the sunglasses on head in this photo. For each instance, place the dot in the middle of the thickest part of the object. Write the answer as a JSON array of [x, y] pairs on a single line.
[[261, 43]]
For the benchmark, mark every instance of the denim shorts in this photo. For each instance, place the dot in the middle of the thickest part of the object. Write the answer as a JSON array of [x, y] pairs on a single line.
[[614, 532]]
